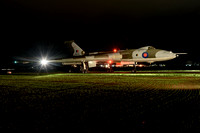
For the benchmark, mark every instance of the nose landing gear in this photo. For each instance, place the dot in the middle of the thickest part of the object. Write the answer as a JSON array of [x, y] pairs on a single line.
[[134, 68]]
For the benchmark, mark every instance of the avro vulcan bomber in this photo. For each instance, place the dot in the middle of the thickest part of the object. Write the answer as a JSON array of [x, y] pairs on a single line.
[[147, 54]]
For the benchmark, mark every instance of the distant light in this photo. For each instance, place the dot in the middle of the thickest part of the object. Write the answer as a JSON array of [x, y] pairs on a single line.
[[44, 62], [115, 50], [15, 62], [188, 65], [140, 65], [9, 72]]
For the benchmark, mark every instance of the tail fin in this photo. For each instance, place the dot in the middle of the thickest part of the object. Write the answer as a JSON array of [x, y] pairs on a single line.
[[74, 48]]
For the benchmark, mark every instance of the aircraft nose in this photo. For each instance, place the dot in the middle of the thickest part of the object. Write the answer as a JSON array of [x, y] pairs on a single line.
[[165, 54]]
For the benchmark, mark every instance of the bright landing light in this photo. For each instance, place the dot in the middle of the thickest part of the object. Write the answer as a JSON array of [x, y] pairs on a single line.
[[44, 62]]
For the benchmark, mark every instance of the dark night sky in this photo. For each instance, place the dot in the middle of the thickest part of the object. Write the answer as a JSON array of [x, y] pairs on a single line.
[[99, 25]]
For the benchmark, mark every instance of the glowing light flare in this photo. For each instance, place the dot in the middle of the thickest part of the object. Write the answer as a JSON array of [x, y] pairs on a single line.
[[140, 65], [110, 61], [9, 72], [44, 62], [115, 50]]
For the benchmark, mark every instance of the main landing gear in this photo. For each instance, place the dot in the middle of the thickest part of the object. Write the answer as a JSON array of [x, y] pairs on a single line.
[[84, 67], [110, 69]]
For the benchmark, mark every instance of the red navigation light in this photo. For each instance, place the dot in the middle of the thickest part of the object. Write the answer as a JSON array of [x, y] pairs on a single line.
[[115, 50], [110, 62]]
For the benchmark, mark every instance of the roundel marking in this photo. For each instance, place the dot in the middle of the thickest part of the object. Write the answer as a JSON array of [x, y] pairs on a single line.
[[145, 55]]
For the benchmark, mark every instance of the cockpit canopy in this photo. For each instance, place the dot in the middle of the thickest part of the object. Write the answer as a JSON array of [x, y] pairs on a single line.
[[147, 47]]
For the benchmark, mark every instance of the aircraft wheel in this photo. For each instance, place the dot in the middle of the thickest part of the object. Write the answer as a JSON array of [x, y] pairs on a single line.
[[133, 71]]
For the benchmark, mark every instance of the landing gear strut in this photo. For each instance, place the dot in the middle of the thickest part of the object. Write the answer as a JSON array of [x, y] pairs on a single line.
[[110, 69], [134, 68], [84, 67]]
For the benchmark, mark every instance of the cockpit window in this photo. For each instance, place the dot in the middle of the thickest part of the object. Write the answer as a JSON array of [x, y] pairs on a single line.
[[147, 47], [150, 47]]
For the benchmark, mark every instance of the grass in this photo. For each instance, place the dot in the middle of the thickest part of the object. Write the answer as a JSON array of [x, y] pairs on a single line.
[[104, 81], [100, 102]]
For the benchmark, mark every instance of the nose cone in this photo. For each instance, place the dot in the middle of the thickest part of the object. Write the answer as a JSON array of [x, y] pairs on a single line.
[[165, 55]]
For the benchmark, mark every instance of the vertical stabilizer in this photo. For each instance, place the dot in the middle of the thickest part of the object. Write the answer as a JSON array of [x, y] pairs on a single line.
[[74, 48]]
